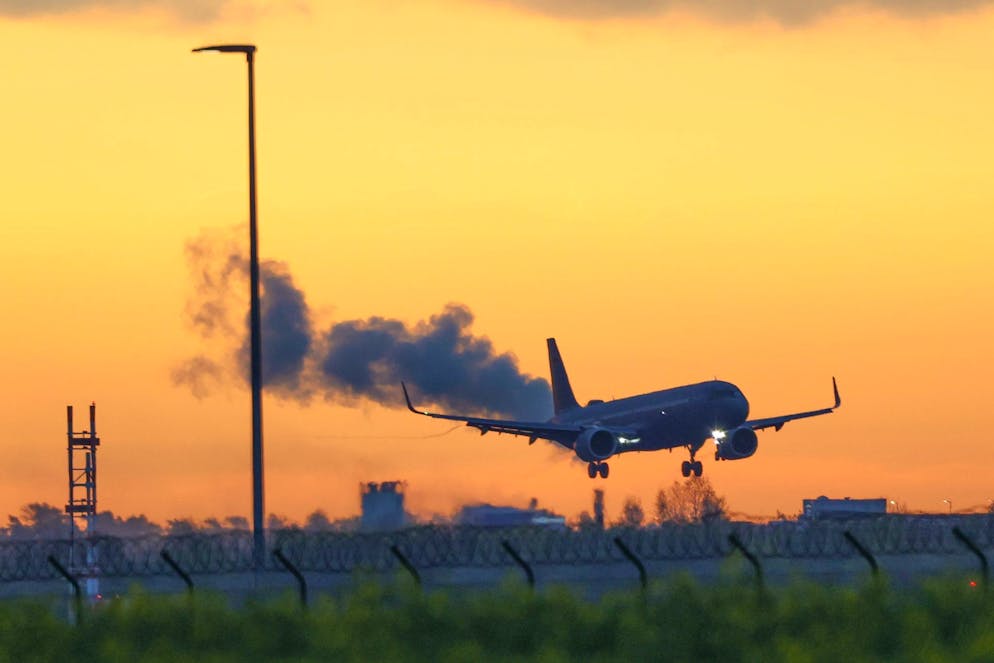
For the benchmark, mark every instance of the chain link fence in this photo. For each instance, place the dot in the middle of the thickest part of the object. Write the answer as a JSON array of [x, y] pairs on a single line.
[[477, 547]]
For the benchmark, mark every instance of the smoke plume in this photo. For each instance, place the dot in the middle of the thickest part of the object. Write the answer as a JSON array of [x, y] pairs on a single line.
[[199, 373], [785, 12], [286, 333], [214, 261], [440, 358]]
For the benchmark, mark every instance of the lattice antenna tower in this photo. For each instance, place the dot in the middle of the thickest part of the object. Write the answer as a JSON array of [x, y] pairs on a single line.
[[82, 504]]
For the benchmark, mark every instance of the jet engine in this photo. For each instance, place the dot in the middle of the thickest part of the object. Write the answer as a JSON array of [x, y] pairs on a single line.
[[595, 444], [739, 443]]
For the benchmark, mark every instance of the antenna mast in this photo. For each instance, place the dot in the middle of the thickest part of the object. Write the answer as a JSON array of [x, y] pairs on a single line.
[[82, 504]]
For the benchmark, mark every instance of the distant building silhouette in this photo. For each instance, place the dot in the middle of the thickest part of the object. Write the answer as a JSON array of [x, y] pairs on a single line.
[[382, 506], [488, 515], [825, 508]]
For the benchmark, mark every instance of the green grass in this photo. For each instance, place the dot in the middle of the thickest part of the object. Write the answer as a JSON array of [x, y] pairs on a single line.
[[678, 621]]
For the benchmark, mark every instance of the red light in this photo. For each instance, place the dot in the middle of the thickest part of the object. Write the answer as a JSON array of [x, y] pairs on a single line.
[[973, 583]]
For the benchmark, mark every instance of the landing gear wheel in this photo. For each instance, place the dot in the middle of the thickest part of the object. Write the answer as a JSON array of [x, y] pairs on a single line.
[[685, 468], [591, 470], [698, 468], [603, 470]]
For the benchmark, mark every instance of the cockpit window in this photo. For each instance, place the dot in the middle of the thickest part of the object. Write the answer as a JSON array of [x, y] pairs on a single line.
[[722, 393]]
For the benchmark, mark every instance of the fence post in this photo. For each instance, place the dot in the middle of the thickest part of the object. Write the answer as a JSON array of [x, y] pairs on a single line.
[[529, 574], [76, 591], [179, 571], [975, 549], [406, 564], [734, 539], [278, 554], [867, 555], [633, 558]]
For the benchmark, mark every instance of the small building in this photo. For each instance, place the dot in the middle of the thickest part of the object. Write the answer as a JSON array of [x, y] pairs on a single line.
[[488, 515], [823, 508], [382, 506]]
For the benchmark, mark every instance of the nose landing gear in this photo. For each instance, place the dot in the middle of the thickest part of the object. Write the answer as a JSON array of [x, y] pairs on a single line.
[[593, 469]]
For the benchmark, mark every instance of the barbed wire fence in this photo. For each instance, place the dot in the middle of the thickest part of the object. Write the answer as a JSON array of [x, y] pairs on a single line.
[[432, 547]]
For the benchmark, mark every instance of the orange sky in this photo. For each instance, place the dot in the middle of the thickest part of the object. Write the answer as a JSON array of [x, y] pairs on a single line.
[[672, 197]]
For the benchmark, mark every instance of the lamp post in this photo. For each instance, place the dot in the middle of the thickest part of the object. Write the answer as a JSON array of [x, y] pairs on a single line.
[[258, 526], [950, 503]]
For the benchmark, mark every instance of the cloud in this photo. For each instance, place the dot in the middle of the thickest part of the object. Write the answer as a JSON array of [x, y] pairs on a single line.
[[442, 360], [187, 10], [785, 12]]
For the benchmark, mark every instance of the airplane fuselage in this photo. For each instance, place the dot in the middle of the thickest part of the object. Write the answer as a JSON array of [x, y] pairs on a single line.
[[667, 418]]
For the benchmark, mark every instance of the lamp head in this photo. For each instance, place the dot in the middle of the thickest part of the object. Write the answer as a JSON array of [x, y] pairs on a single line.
[[247, 49]]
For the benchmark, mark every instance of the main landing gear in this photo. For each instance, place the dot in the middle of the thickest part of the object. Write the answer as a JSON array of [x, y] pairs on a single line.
[[593, 469], [692, 466]]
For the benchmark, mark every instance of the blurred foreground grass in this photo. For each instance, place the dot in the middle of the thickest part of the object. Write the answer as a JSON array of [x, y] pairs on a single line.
[[678, 621]]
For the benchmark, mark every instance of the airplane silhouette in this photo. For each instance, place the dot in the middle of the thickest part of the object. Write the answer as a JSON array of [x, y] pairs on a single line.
[[686, 416]]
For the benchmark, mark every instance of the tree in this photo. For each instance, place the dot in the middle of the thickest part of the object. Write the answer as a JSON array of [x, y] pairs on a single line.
[[212, 526], [663, 510], [276, 522], [181, 527], [318, 522], [39, 520], [632, 514], [692, 501], [585, 522], [237, 522], [107, 524]]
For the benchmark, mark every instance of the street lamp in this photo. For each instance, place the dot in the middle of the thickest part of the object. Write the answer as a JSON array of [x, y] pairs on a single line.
[[258, 527], [950, 503]]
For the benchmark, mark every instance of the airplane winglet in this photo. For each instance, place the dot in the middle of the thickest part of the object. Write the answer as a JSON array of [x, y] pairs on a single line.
[[835, 388], [408, 399]]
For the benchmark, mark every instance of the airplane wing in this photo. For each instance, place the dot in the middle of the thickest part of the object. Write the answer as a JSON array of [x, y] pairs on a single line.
[[778, 422], [563, 434]]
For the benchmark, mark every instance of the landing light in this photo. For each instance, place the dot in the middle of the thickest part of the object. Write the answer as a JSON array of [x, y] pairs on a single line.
[[718, 435]]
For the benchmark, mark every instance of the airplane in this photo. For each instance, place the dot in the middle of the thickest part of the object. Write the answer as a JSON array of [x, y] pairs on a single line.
[[686, 416]]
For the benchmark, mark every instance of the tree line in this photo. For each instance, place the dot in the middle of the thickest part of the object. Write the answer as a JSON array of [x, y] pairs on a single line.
[[693, 500]]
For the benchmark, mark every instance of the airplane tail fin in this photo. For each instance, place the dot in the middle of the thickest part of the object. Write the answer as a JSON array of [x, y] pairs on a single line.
[[562, 393]]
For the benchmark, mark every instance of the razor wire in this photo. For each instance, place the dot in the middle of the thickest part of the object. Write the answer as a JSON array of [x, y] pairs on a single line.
[[431, 547]]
